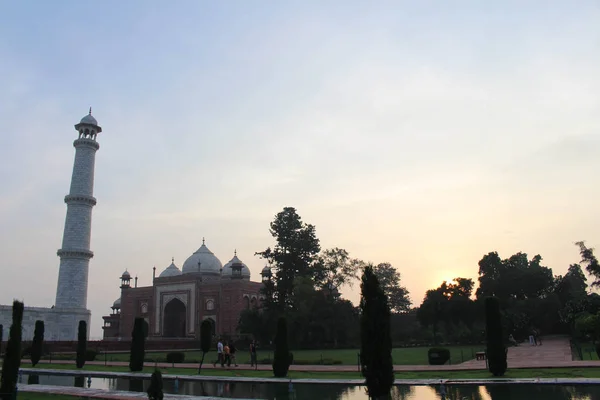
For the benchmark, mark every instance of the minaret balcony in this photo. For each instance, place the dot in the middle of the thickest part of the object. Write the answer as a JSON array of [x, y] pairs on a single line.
[[80, 198]]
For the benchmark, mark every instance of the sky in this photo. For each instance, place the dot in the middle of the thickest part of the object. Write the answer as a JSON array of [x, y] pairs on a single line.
[[424, 134]]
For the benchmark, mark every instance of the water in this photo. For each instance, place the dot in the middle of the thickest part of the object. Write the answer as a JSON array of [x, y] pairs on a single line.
[[280, 391]]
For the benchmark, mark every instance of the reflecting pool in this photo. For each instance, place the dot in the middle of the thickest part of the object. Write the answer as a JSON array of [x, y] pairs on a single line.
[[282, 391]]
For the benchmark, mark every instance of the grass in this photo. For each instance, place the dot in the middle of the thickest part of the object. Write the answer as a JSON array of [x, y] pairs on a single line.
[[588, 352], [401, 356], [478, 374], [45, 396]]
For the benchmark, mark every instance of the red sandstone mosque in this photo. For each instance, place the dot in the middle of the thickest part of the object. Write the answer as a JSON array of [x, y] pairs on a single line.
[[179, 300]]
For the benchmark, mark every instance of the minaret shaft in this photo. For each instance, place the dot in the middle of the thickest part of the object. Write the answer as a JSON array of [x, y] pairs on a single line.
[[75, 254]]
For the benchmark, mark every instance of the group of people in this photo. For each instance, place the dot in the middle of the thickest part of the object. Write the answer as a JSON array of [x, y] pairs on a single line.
[[226, 354]]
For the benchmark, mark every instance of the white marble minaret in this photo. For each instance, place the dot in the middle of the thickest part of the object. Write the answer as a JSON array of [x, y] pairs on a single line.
[[75, 253]]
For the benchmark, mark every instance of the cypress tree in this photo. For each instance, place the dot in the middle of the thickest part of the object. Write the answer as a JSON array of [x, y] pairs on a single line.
[[282, 358], [496, 352], [205, 340], [1, 337], [138, 338], [81, 344], [155, 390], [12, 354], [376, 342], [38, 343]]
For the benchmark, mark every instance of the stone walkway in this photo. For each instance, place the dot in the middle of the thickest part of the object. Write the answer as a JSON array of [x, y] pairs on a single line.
[[553, 353], [105, 394]]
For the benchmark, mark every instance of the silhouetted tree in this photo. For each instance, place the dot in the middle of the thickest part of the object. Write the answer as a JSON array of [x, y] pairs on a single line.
[[38, 343], [205, 340], [282, 358], [81, 344], [155, 390], [138, 338], [590, 261], [292, 256], [496, 352], [389, 281], [12, 355], [376, 342]]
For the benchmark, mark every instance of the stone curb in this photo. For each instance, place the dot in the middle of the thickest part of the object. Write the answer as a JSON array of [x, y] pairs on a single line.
[[358, 382]]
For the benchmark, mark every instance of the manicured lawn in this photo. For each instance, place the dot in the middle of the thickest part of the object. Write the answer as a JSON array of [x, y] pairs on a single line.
[[588, 352], [44, 396], [401, 356], [479, 374]]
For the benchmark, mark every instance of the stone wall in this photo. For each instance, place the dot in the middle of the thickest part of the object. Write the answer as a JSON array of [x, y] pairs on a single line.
[[59, 324]]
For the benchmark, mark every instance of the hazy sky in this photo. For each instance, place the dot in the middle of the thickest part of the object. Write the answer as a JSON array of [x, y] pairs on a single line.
[[425, 134]]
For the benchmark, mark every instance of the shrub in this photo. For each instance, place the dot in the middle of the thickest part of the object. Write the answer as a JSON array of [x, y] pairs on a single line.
[[282, 357], [37, 346], [90, 355], [175, 357], [12, 355], [155, 390], [376, 342], [138, 338], [205, 340], [438, 356], [496, 352], [81, 344]]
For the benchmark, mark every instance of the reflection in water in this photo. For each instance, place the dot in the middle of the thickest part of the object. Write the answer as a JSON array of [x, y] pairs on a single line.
[[281, 391]]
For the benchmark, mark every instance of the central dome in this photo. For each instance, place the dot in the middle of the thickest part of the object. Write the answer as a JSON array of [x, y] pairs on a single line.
[[203, 261]]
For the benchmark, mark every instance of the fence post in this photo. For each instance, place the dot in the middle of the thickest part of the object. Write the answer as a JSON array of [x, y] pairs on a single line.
[[358, 361], [462, 358]]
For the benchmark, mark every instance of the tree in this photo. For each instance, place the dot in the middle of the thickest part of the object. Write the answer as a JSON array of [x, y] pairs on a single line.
[[282, 357], [590, 261], [81, 344], [293, 254], [205, 340], [38, 342], [496, 352], [572, 286], [12, 354], [1, 337], [155, 390], [389, 281], [515, 278], [138, 338], [335, 268], [376, 342]]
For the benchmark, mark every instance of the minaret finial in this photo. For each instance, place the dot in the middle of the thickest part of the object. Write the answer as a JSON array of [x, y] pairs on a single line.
[[235, 252], [202, 240], [90, 110], [172, 259]]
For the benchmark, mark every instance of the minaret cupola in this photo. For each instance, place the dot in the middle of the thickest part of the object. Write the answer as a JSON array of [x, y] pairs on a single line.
[[88, 127]]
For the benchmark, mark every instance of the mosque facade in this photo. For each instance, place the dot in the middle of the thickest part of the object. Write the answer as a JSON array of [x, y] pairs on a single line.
[[180, 299]]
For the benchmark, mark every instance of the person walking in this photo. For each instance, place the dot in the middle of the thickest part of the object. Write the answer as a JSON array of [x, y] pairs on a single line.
[[226, 353], [232, 351], [220, 358], [253, 354]]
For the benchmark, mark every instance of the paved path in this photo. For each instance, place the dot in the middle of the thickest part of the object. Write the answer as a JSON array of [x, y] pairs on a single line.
[[554, 352], [104, 393]]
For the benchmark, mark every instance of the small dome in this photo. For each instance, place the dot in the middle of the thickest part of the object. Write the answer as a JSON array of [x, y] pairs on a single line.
[[126, 275], [117, 303], [89, 120], [227, 270], [266, 270], [171, 270], [203, 261]]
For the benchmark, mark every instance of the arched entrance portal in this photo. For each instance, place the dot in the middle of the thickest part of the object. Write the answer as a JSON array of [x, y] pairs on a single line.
[[174, 320]]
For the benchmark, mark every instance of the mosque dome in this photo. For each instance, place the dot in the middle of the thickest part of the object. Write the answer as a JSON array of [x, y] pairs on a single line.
[[171, 270], [203, 261], [266, 270], [227, 270], [126, 275], [89, 120], [117, 303]]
